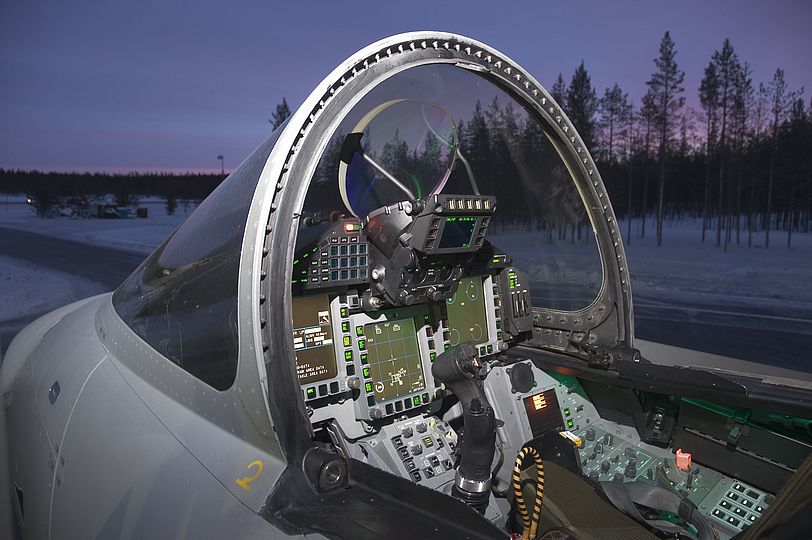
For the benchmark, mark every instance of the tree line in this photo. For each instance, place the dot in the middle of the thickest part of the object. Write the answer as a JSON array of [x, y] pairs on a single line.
[[743, 163], [47, 188]]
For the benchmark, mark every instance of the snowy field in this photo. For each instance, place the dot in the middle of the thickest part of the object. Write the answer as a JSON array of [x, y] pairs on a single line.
[[697, 283]]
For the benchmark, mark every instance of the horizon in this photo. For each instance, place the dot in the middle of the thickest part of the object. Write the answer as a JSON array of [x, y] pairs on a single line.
[[154, 87]]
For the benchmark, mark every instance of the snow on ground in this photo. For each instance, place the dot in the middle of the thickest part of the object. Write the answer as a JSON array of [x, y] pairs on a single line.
[[132, 234], [684, 265], [20, 298]]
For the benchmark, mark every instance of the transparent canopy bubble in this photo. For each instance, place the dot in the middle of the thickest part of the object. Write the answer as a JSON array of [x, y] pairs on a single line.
[[414, 141]]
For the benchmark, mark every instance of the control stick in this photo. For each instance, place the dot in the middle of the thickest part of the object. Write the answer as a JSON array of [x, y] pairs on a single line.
[[460, 370]]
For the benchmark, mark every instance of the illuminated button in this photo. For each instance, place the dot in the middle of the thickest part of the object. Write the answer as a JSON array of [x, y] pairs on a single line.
[[366, 372], [363, 358], [362, 344], [368, 387], [311, 392], [428, 441], [349, 227], [348, 356], [725, 504], [446, 346], [359, 331], [345, 326], [733, 521], [427, 318], [739, 487], [739, 511], [759, 509], [425, 398], [570, 424], [334, 240], [716, 513], [432, 356], [416, 401], [490, 349], [344, 312], [751, 518], [353, 239], [732, 496], [347, 341], [747, 502], [567, 412]]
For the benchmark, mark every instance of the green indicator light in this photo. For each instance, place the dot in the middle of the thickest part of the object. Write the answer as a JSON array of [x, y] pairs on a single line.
[[345, 326], [366, 372], [427, 318], [311, 392], [295, 262], [490, 349], [446, 346], [566, 412], [432, 356], [363, 358], [425, 398], [315, 249], [359, 331], [347, 341], [368, 387], [362, 344], [416, 400], [348, 355], [569, 424], [344, 312], [306, 255]]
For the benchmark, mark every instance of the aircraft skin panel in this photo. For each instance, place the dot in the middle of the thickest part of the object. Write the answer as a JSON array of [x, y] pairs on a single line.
[[31, 460], [195, 418], [61, 364], [150, 487]]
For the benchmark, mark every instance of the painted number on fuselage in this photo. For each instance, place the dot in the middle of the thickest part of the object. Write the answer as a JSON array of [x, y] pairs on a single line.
[[244, 482]]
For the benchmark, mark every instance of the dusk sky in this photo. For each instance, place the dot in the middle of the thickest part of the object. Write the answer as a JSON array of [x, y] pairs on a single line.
[[162, 85]]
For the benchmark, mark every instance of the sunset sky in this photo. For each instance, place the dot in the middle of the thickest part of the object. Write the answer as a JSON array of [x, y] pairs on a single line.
[[162, 85]]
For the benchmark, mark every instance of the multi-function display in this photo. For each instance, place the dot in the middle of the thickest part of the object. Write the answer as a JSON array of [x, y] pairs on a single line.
[[395, 366]]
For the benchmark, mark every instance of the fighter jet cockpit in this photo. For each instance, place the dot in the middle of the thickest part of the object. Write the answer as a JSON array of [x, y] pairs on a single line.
[[406, 315]]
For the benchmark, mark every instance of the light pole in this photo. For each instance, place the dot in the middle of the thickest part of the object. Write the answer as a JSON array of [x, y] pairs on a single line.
[[222, 168]]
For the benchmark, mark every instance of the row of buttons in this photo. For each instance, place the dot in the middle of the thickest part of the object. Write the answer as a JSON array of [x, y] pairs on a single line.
[[322, 390], [335, 251]]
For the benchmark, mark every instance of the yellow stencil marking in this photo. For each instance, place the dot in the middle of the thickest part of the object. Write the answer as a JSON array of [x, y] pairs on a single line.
[[243, 482]]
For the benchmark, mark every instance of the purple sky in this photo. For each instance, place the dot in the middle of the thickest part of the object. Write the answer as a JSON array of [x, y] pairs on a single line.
[[145, 85]]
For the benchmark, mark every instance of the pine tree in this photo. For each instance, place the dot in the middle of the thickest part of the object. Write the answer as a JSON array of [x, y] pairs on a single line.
[[559, 91], [582, 104], [709, 99], [648, 114], [780, 100], [666, 86], [727, 68], [280, 115], [614, 107]]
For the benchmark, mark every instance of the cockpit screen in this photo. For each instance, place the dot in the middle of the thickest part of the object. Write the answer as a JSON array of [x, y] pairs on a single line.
[[466, 313], [457, 232], [313, 339], [394, 360]]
